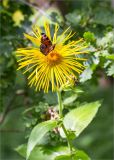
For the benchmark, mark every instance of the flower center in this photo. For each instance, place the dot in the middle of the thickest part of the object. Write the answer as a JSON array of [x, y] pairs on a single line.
[[53, 58]]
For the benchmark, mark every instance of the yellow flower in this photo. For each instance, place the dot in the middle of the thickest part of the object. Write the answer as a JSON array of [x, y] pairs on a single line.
[[58, 66]]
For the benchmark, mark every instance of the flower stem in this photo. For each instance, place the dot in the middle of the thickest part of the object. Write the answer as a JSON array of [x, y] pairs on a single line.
[[61, 115], [69, 142], [60, 104]]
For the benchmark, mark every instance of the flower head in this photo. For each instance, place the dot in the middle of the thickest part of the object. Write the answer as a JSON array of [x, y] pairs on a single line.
[[56, 64]]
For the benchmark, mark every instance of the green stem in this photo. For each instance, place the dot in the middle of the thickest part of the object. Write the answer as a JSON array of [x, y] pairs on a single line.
[[61, 115], [69, 142], [60, 104]]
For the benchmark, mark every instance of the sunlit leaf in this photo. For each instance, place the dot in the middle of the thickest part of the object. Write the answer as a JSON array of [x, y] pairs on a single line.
[[18, 17], [43, 152], [89, 36], [38, 134], [78, 90], [105, 40], [5, 3], [78, 155], [78, 119], [86, 75], [81, 155], [70, 99], [63, 157], [111, 57]]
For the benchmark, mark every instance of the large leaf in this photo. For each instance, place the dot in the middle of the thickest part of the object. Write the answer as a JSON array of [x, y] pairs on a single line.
[[79, 155], [52, 153], [78, 119], [38, 134], [43, 152]]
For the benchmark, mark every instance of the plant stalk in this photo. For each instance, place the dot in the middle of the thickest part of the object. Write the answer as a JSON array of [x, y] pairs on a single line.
[[61, 115], [60, 104], [69, 142]]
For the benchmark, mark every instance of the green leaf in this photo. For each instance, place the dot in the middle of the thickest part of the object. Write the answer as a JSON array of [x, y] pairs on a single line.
[[63, 157], [110, 71], [52, 153], [78, 119], [89, 37], [78, 90], [38, 134], [111, 57], [74, 18], [86, 75], [70, 99], [21, 150], [43, 152], [79, 155], [105, 41], [104, 19], [18, 17]]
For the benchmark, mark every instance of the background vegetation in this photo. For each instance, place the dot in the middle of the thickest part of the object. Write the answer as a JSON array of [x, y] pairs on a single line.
[[21, 107]]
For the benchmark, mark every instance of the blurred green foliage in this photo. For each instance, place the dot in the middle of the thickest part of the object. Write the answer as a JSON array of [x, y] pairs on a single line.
[[22, 108]]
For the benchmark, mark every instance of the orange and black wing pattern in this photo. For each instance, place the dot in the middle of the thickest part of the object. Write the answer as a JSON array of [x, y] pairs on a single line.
[[46, 45]]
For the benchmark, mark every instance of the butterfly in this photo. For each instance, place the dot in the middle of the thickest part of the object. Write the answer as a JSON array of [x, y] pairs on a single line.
[[46, 45]]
